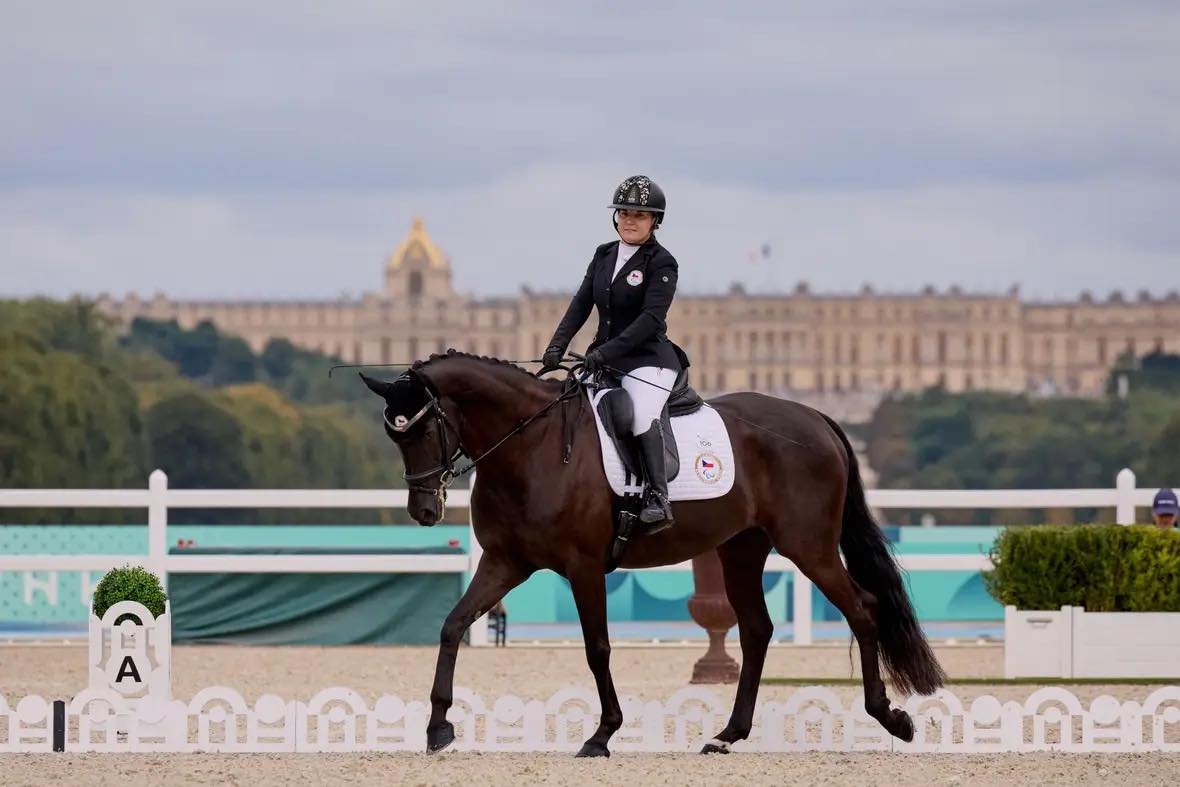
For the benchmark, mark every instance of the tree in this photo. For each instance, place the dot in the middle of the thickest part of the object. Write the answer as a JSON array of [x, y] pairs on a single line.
[[234, 363], [278, 358], [66, 421], [197, 443]]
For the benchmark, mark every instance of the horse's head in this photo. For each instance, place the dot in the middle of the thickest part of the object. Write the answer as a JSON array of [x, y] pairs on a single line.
[[415, 421]]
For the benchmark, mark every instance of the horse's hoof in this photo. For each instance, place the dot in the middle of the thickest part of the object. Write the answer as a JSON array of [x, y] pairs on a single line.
[[715, 747], [440, 737], [900, 726], [591, 749]]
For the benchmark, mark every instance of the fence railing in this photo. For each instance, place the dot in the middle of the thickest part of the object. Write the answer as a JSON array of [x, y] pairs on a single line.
[[158, 499]]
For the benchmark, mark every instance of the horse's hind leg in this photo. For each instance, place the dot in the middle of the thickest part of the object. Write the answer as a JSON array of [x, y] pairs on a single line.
[[859, 608], [493, 578], [743, 559]]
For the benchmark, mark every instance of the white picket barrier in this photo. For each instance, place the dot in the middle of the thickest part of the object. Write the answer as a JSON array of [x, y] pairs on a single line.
[[814, 718]]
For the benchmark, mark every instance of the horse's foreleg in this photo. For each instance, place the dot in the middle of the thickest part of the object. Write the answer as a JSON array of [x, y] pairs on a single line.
[[589, 587], [493, 578], [743, 559]]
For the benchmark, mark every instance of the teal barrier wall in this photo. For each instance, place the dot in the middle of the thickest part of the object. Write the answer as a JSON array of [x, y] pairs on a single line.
[[545, 598]]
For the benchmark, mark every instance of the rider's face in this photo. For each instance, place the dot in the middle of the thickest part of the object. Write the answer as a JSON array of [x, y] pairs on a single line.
[[634, 225]]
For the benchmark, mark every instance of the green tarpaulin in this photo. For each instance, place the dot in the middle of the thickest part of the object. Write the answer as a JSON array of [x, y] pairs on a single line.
[[311, 609]]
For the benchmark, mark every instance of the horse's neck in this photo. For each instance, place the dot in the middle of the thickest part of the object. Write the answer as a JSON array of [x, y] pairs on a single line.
[[491, 400]]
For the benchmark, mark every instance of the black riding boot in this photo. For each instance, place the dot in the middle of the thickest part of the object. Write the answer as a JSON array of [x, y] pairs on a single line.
[[657, 510]]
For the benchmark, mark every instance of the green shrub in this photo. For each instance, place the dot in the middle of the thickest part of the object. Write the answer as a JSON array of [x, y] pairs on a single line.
[[129, 583], [1104, 568]]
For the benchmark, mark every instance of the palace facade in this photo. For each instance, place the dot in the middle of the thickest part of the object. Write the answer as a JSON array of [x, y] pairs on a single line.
[[805, 345]]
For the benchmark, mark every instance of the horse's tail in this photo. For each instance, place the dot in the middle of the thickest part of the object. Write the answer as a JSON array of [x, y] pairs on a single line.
[[905, 652]]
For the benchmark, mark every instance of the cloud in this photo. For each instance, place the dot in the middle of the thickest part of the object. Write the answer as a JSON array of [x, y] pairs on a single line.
[[221, 149]]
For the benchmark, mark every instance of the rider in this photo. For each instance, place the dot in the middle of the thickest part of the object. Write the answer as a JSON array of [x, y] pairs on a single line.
[[632, 282]]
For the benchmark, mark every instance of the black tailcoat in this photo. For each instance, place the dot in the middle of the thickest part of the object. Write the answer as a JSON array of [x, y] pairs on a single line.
[[632, 308]]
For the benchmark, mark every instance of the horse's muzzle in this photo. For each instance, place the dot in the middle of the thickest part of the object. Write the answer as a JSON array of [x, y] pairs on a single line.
[[427, 512]]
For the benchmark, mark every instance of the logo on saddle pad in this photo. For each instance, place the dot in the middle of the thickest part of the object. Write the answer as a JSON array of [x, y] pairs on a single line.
[[635, 278], [708, 468]]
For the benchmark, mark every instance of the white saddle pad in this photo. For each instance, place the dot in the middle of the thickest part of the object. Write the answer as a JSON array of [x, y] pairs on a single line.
[[707, 466]]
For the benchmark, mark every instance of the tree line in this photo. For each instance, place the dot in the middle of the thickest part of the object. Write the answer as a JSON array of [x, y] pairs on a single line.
[[984, 440], [82, 406]]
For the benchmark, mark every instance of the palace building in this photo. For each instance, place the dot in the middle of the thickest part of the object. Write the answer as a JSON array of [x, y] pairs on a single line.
[[816, 347]]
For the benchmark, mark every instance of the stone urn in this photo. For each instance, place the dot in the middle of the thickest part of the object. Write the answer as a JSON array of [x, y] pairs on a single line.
[[710, 608]]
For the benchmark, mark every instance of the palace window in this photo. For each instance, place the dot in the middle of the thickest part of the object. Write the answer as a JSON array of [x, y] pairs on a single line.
[[415, 284]]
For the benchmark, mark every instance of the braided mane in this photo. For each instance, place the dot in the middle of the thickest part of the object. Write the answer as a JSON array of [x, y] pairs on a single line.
[[453, 353]]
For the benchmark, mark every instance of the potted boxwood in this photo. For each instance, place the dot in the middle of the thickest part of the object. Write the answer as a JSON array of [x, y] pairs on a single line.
[[129, 583], [1088, 601]]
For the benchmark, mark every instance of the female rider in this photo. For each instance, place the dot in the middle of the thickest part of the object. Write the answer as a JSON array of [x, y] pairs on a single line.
[[632, 282]]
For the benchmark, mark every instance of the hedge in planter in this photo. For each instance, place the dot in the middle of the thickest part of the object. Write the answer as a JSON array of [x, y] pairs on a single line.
[[1104, 568], [129, 583]]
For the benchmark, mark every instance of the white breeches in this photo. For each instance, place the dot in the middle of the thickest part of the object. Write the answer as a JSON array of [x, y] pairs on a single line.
[[648, 400]]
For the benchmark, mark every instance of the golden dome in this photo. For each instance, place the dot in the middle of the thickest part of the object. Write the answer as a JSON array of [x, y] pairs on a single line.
[[417, 247]]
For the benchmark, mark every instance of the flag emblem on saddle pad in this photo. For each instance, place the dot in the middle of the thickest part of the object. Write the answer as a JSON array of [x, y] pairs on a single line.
[[635, 278], [708, 468]]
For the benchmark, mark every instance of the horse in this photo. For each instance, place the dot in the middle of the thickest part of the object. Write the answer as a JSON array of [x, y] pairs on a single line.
[[542, 501]]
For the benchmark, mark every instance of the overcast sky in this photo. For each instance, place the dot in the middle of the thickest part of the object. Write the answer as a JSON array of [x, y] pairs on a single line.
[[229, 149]]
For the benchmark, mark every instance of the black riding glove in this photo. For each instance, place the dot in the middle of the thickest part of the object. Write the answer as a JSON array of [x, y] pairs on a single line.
[[595, 362], [552, 358]]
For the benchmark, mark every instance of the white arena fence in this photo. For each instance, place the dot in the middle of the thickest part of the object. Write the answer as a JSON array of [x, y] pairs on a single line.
[[814, 718], [158, 499]]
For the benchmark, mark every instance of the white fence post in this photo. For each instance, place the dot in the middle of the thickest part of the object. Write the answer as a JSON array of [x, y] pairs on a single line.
[[479, 629], [802, 608], [1124, 513], [158, 525]]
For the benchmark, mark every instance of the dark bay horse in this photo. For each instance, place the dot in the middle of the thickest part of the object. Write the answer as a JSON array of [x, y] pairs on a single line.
[[798, 490]]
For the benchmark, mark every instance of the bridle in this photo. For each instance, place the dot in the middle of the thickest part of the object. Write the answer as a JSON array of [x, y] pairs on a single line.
[[446, 456], [446, 470]]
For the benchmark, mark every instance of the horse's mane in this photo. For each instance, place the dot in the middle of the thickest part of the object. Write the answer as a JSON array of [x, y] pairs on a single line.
[[451, 352]]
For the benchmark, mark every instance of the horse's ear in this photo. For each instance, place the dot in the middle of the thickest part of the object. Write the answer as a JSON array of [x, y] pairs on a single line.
[[379, 387]]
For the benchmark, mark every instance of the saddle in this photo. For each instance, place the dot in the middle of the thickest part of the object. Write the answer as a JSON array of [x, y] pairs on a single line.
[[616, 412]]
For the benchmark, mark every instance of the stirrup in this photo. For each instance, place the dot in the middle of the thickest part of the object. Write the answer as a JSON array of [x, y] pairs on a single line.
[[659, 502]]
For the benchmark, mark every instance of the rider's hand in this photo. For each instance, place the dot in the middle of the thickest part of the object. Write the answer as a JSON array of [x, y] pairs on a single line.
[[552, 358], [594, 362]]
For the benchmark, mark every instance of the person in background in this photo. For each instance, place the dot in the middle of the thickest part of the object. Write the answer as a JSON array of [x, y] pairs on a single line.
[[1164, 509]]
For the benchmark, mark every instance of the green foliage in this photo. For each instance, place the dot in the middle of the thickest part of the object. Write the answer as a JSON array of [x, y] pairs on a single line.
[[1104, 568], [278, 359], [196, 442], [984, 440], [1155, 371], [68, 415], [129, 583], [80, 409]]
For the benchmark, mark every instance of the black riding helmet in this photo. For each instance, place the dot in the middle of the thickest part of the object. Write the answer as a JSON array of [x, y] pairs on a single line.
[[639, 192]]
